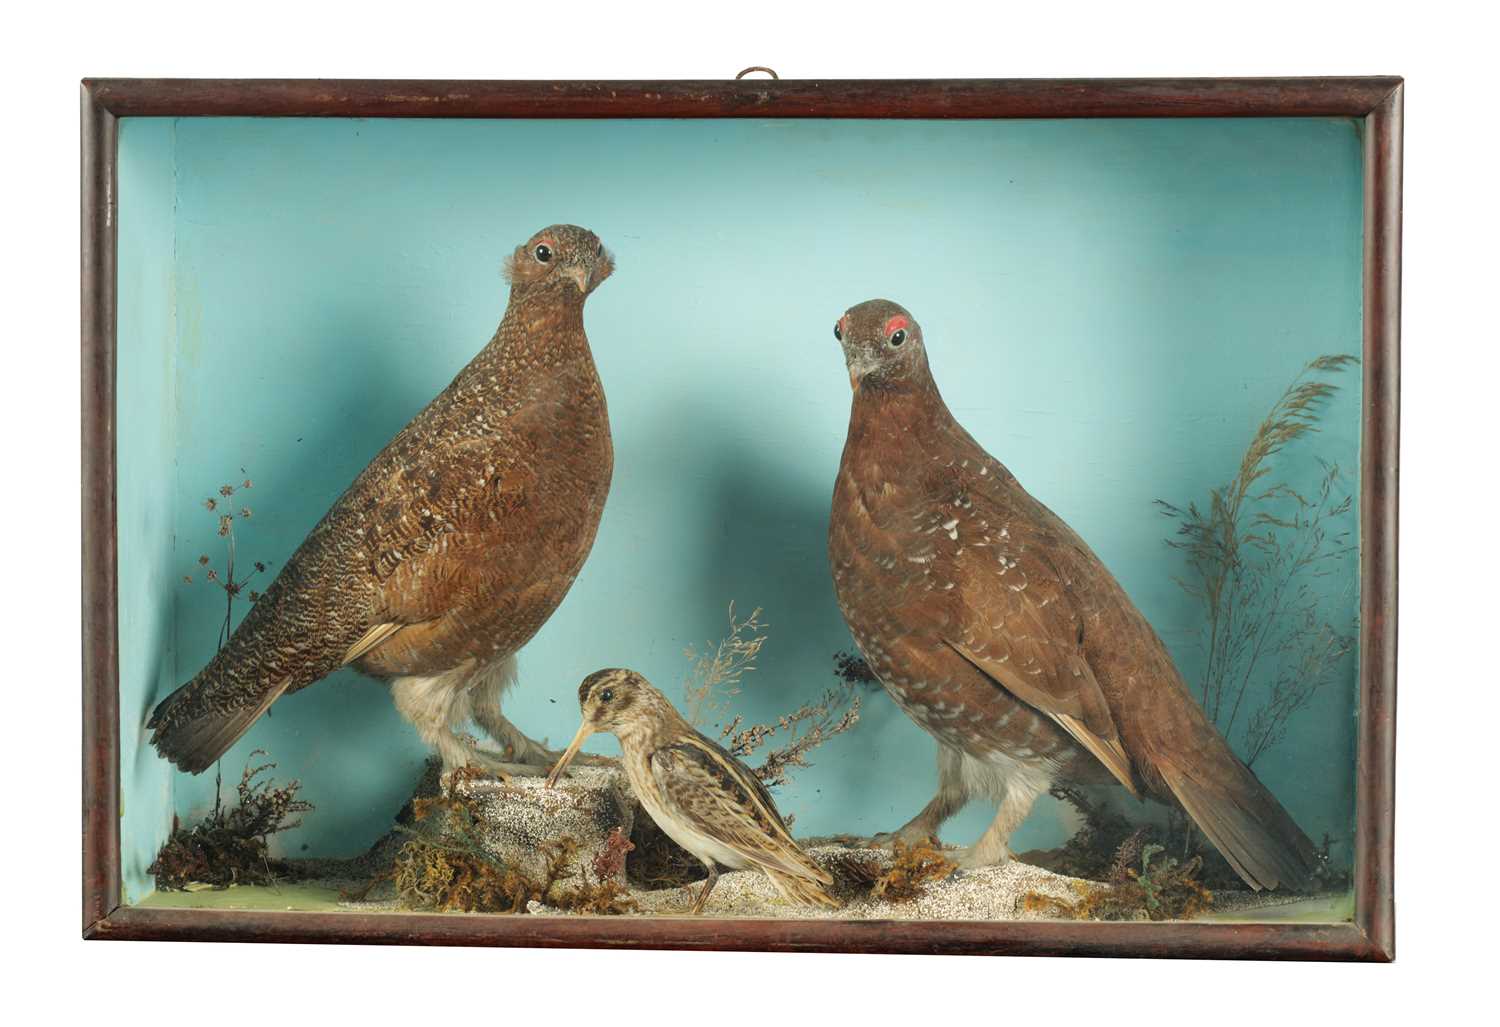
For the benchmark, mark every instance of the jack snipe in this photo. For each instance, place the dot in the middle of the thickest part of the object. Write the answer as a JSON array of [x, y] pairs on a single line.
[[701, 796]]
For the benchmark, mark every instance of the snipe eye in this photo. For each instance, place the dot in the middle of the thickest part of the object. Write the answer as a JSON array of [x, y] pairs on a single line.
[[898, 336], [607, 695], [543, 253], [838, 333]]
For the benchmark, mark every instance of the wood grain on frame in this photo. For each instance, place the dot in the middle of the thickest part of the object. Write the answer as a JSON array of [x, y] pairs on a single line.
[[1376, 100]]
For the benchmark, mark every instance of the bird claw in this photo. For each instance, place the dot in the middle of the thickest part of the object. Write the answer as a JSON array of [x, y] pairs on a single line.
[[907, 835], [481, 763]]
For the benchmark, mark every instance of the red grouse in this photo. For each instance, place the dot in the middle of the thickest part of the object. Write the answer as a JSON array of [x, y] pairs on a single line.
[[993, 625], [450, 550]]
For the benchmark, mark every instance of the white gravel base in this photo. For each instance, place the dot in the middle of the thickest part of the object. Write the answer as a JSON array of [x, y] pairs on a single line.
[[519, 817], [993, 893]]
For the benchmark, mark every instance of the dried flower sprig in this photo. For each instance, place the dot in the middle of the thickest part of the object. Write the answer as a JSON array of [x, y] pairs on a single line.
[[715, 677], [227, 510]]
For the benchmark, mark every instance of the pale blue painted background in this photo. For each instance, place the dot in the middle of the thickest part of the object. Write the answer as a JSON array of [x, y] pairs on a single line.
[[1110, 307]]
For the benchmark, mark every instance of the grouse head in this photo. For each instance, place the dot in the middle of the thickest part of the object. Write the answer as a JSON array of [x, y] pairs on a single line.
[[882, 345], [562, 257]]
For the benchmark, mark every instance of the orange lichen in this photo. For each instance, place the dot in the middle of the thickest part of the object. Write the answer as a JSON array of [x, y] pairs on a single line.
[[913, 868]]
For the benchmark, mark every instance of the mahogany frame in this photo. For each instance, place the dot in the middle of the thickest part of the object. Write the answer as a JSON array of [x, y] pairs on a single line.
[[1377, 104]]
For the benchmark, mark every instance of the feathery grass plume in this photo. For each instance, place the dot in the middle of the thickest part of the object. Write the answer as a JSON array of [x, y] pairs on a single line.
[[716, 673], [717, 676], [1255, 555]]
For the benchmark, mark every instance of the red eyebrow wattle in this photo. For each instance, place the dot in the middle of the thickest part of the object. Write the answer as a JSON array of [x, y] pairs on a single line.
[[895, 324], [843, 322]]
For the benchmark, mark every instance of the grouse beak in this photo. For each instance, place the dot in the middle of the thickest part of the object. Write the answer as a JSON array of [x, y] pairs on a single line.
[[580, 276], [859, 366], [584, 730]]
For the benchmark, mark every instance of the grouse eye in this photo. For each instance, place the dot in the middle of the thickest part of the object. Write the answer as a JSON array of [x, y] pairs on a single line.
[[543, 253], [898, 336], [838, 333], [606, 695]]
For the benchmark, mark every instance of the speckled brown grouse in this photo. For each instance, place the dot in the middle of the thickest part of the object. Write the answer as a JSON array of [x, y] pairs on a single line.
[[450, 550], [1001, 634]]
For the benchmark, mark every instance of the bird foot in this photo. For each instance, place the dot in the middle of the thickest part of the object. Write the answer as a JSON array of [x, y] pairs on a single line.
[[974, 857], [909, 835], [484, 763]]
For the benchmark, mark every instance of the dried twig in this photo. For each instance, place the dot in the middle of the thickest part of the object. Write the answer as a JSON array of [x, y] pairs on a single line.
[[716, 678], [231, 845]]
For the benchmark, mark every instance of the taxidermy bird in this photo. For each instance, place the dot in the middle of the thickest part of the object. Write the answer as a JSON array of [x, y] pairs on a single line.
[[997, 629], [450, 549], [705, 800]]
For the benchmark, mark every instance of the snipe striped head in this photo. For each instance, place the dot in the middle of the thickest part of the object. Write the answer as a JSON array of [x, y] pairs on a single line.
[[620, 702]]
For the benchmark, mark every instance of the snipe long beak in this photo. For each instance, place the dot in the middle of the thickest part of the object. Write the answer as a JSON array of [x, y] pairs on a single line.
[[584, 730]]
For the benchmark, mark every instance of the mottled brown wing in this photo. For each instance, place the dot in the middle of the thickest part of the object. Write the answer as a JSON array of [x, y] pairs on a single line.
[[421, 520], [1016, 619], [331, 604], [719, 797]]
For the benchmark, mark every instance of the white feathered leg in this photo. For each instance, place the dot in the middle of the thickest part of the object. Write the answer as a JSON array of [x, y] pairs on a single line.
[[485, 696], [1016, 786], [437, 706]]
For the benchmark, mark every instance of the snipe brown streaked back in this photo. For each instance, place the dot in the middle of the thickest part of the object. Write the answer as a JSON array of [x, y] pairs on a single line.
[[702, 797]]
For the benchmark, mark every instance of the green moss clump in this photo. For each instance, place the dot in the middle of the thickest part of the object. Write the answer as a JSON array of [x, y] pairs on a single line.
[[1161, 889], [444, 866]]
